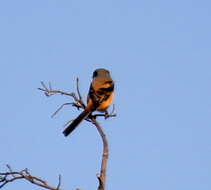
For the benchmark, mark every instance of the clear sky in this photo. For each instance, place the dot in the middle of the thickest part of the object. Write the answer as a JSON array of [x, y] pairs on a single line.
[[159, 54]]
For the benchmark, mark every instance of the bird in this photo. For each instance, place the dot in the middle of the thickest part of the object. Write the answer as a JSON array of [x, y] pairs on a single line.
[[100, 96]]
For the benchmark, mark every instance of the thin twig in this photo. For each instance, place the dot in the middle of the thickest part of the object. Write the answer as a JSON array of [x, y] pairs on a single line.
[[10, 169], [60, 107], [113, 109], [59, 184], [79, 94], [106, 116]]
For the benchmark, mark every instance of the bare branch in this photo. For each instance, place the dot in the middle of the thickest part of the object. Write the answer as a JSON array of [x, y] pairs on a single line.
[[10, 176], [91, 118], [102, 176], [48, 91]]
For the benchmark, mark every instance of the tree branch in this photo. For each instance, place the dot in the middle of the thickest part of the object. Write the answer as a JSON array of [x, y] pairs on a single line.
[[10, 176], [92, 118], [102, 176]]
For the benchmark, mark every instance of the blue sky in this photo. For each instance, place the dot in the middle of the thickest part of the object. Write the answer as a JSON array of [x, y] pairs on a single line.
[[158, 53]]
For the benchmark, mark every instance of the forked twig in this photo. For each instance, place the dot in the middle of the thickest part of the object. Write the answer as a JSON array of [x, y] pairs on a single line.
[[49, 92], [78, 91]]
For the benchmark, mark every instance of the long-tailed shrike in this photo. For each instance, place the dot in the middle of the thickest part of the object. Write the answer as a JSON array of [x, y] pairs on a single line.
[[99, 98]]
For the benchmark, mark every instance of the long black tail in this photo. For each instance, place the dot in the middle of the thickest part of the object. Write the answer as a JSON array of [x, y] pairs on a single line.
[[76, 122]]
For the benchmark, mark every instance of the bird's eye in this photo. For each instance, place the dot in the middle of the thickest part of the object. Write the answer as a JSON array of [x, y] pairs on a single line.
[[94, 74]]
